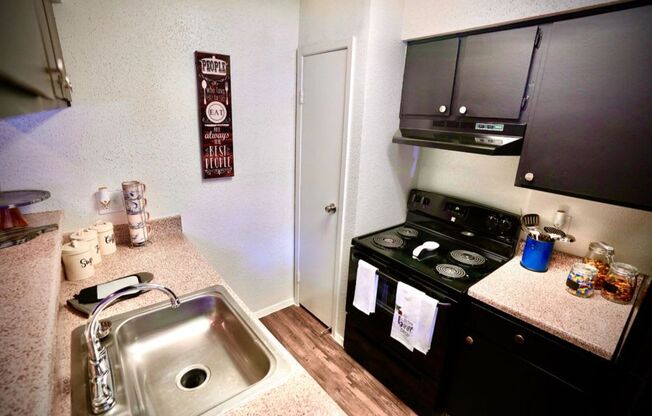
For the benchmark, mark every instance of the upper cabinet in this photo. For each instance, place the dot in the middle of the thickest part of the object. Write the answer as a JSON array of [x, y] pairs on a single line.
[[481, 76], [492, 73], [32, 71], [428, 78], [589, 134]]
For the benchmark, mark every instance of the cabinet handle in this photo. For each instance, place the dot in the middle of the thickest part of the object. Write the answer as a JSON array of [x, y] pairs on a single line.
[[463, 109], [468, 340], [529, 176], [519, 339], [442, 108]]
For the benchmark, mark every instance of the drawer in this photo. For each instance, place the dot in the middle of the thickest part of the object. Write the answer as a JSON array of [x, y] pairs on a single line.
[[551, 354]]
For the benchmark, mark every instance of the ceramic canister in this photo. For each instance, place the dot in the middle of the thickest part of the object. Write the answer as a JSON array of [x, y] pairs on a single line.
[[90, 236], [77, 260], [105, 237]]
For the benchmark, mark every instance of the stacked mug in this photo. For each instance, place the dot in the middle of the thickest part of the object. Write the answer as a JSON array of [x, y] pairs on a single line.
[[137, 217]]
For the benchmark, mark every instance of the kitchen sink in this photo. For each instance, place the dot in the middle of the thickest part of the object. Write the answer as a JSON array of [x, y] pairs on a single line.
[[201, 358]]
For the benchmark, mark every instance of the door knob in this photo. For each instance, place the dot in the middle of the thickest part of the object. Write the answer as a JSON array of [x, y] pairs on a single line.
[[463, 109], [330, 208], [529, 176], [442, 108]]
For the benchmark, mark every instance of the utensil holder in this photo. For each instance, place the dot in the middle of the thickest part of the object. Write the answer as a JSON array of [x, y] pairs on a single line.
[[536, 254]]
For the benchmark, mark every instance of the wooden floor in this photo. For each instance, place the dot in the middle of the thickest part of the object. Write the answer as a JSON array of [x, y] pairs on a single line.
[[355, 390]]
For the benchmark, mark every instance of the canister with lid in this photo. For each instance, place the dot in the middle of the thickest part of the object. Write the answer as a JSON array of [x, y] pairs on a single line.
[[620, 284], [90, 236], [105, 237], [600, 255], [77, 259]]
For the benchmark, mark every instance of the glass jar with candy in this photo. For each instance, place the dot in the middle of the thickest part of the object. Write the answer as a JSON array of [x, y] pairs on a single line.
[[600, 255], [580, 280], [620, 284]]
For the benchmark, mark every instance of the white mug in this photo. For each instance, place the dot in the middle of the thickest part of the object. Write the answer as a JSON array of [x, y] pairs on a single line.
[[133, 190], [135, 206], [138, 220], [140, 235]]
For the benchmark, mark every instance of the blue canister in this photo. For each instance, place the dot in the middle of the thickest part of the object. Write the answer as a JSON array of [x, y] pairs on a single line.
[[536, 254]]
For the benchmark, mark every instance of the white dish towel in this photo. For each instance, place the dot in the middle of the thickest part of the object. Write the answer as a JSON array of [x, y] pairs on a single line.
[[414, 320], [366, 287]]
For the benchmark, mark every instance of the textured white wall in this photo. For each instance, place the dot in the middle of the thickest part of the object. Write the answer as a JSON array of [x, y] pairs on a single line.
[[423, 18], [134, 116], [490, 180]]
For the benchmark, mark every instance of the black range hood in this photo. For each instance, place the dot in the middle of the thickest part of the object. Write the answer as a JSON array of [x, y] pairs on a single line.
[[483, 138]]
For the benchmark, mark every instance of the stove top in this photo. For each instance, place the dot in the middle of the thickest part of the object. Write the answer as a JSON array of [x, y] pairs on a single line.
[[473, 240]]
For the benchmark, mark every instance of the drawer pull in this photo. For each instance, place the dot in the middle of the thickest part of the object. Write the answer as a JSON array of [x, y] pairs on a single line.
[[468, 340], [519, 339]]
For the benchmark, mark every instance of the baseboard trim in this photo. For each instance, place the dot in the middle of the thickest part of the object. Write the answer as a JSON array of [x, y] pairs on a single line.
[[338, 338], [273, 308]]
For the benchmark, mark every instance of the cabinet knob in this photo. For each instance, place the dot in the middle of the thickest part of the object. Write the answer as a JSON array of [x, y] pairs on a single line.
[[529, 176], [519, 339], [442, 108], [463, 109], [468, 340]]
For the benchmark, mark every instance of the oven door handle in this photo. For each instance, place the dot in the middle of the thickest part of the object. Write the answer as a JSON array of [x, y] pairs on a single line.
[[439, 305]]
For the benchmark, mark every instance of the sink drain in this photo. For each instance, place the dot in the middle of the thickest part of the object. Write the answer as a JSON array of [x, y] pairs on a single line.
[[193, 377]]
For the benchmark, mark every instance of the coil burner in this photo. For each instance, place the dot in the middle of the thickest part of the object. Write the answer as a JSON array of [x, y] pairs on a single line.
[[388, 241], [468, 258], [407, 232], [451, 271]]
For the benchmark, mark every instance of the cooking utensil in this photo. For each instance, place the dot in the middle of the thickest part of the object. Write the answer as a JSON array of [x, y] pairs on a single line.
[[529, 220], [204, 85], [568, 239], [226, 89], [554, 233]]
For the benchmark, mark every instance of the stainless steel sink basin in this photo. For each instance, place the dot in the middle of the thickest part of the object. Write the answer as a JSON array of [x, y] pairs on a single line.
[[203, 357]]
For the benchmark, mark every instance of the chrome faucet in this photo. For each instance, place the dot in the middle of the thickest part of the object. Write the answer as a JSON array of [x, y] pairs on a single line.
[[99, 367]]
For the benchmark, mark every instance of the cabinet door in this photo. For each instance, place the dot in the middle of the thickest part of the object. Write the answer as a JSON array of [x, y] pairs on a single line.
[[589, 135], [24, 62], [492, 73], [486, 380], [489, 380], [428, 78]]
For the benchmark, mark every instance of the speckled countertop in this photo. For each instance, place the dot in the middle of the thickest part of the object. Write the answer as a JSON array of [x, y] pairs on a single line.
[[176, 263], [540, 299], [30, 275]]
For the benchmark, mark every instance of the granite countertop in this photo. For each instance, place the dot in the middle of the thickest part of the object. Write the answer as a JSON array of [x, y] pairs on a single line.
[[30, 275], [540, 299], [176, 263]]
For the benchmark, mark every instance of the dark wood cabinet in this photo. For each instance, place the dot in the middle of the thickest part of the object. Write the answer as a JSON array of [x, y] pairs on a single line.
[[428, 78], [492, 73], [589, 134], [478, 76], [32, 71], [505, 367]]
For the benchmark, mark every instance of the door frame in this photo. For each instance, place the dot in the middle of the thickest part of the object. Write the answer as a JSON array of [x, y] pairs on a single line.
[[302, 52]]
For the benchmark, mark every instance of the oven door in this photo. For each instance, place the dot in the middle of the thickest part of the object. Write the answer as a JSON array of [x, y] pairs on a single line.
[[414, 377]]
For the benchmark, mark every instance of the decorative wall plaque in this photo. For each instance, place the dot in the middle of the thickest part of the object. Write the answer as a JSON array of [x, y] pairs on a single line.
[[215, 122]]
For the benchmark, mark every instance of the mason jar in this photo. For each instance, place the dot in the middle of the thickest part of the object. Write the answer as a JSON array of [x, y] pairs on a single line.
[[600, 255], [580, 280], [620, 284]]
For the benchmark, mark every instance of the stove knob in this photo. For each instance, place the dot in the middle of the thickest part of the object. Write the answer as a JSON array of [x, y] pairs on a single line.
[[492, 222], [505, 224]]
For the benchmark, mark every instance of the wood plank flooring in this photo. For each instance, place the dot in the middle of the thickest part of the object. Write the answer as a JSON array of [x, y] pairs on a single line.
[[355, 390]]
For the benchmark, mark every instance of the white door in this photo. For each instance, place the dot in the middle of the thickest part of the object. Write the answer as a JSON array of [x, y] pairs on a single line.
[[321, 132]]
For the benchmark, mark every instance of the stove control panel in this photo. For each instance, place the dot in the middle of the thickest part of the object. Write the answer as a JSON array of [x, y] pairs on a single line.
[[471, 216]]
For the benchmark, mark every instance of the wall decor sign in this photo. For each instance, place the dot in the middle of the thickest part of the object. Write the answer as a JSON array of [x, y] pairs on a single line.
[[215, 121]]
